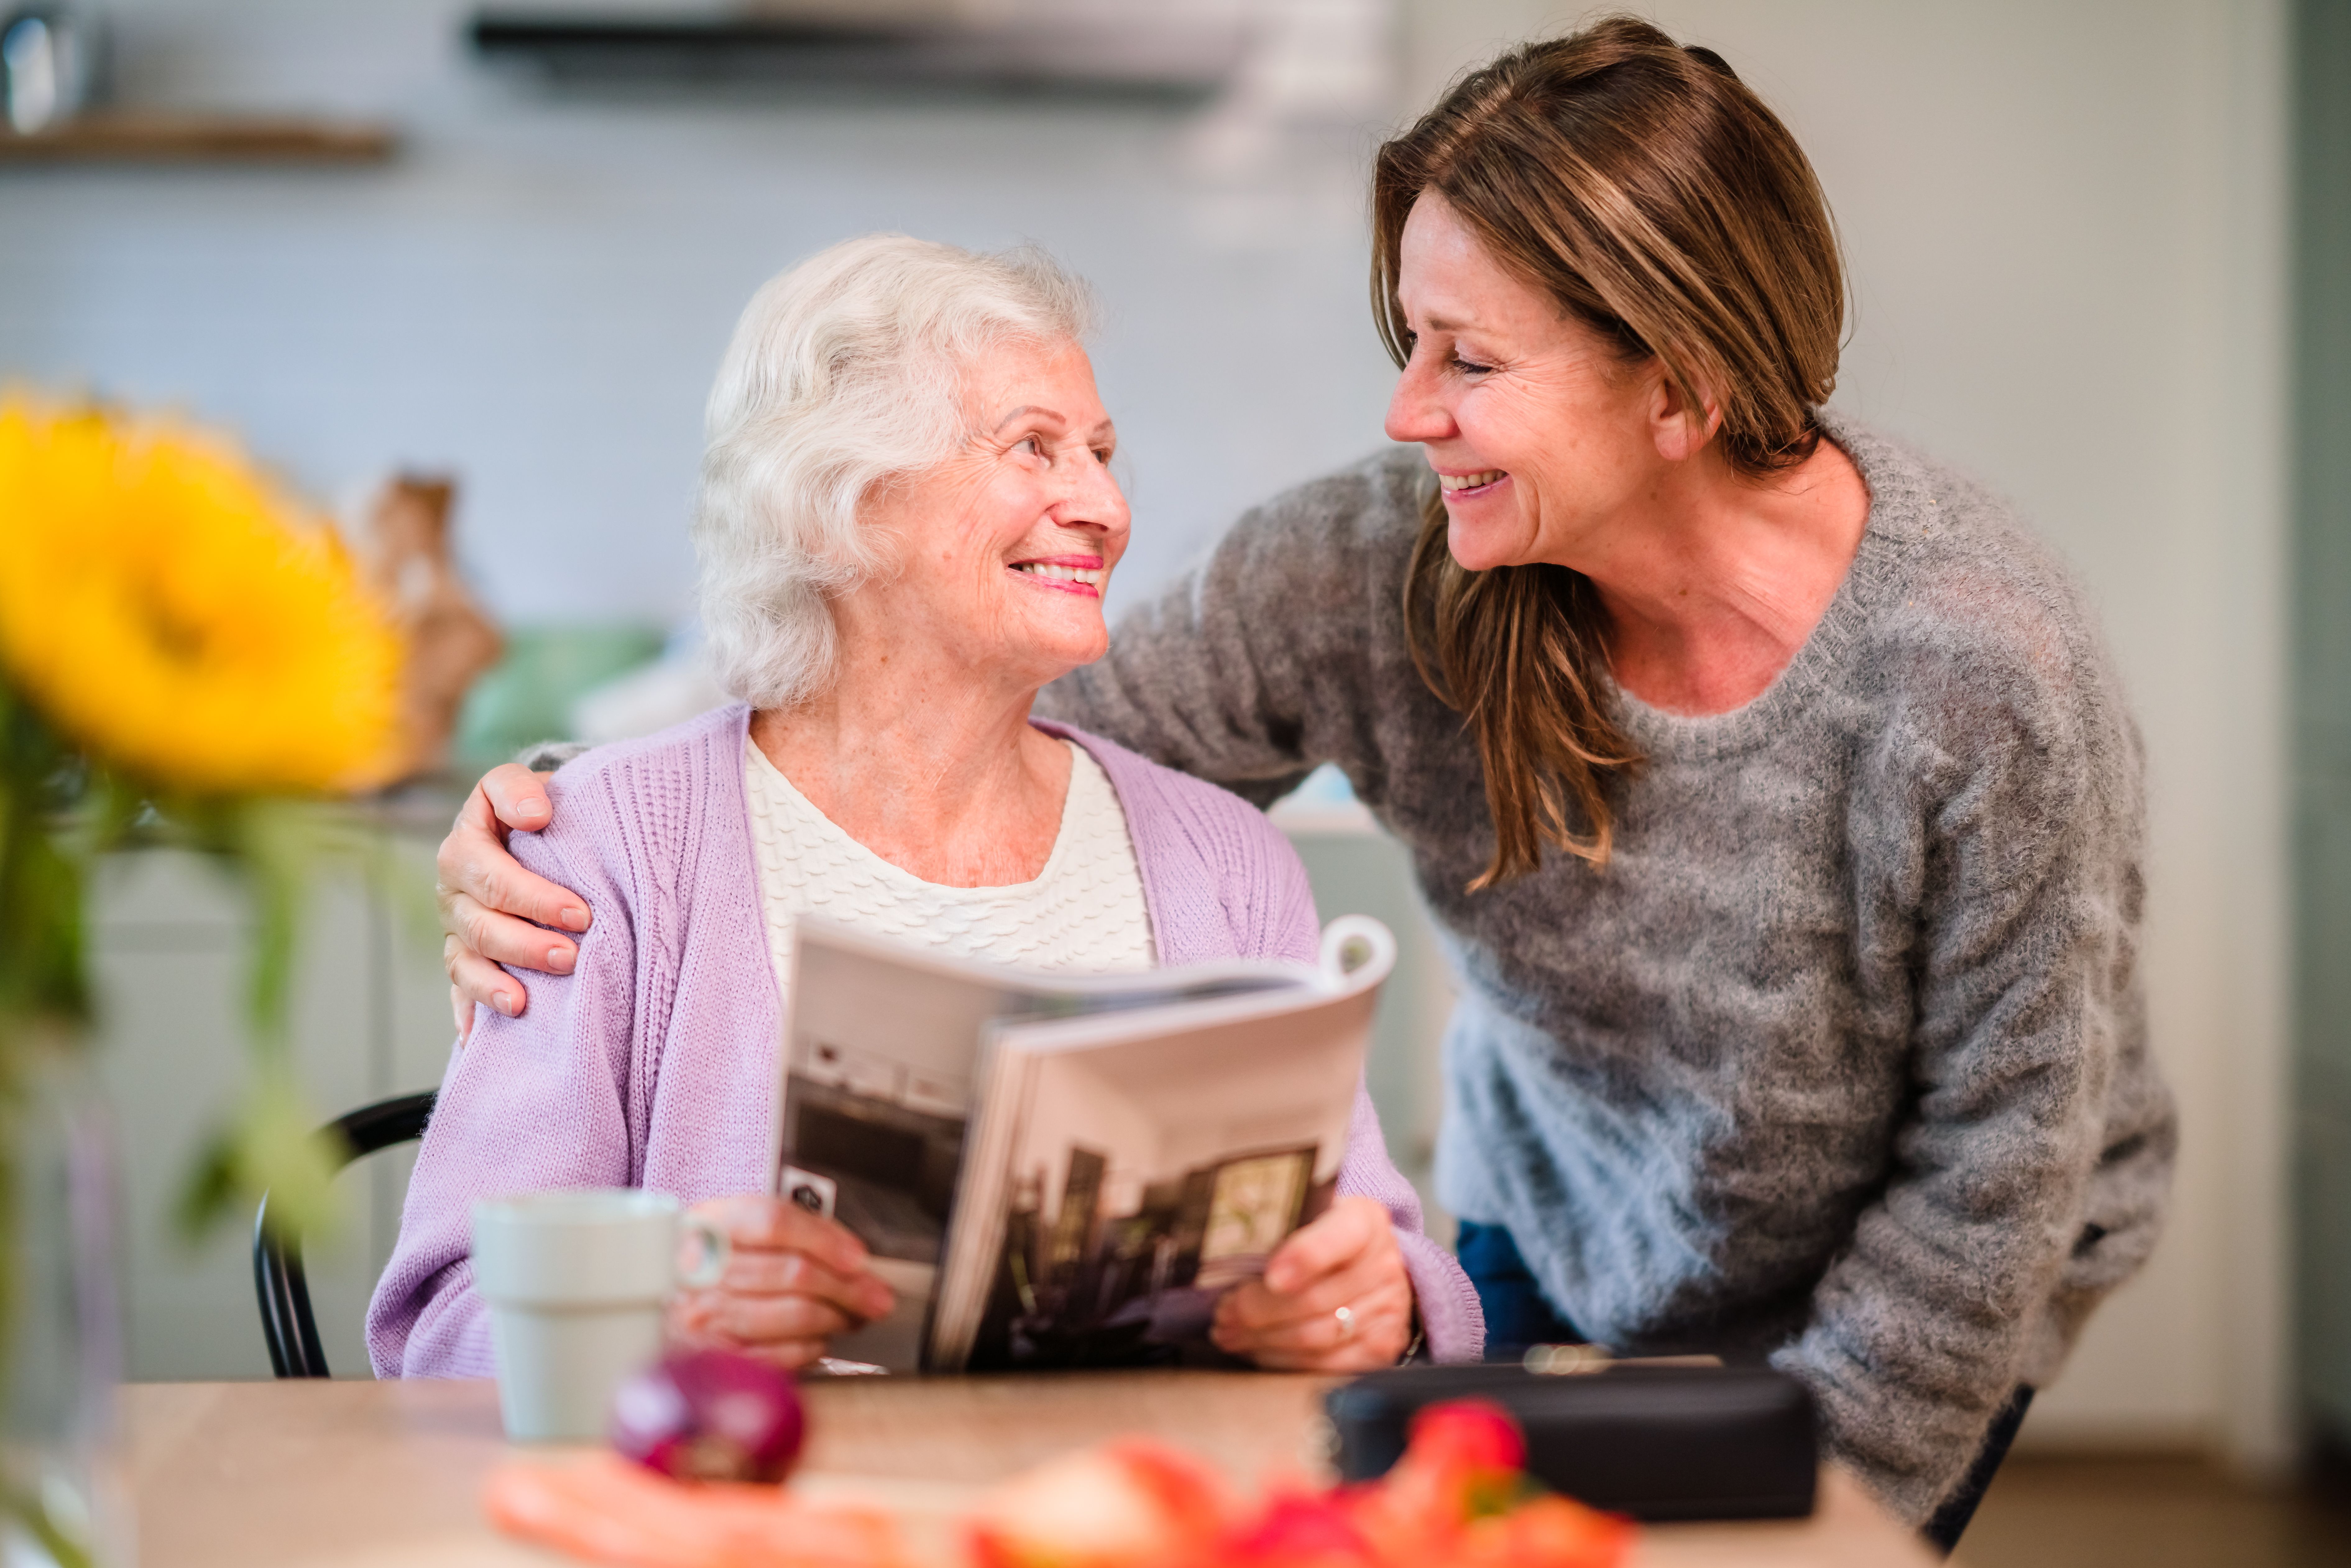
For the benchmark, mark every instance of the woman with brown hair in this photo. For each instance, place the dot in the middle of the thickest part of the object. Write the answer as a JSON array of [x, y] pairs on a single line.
[[1770, 785]]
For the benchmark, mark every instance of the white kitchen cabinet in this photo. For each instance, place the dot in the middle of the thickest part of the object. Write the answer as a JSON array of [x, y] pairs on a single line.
[[369, 1019]]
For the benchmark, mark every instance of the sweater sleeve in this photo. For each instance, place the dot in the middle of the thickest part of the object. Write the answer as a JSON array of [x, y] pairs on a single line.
[[2025, 877], [1224, 676], [1452, 1321], [532, 1102]]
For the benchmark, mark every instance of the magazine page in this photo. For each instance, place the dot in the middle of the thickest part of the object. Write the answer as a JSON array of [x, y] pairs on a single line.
[[1126, 1170], [880, 1040]]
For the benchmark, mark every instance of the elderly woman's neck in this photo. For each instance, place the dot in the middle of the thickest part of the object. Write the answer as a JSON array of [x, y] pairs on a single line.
[[951, 785]]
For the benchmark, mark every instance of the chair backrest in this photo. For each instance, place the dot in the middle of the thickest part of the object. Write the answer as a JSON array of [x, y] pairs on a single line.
[[278, 1283]]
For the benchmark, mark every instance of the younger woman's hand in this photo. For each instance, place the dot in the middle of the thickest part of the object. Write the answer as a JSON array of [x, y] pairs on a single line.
[[1288, 1320], [489, 901], [795, 1280]]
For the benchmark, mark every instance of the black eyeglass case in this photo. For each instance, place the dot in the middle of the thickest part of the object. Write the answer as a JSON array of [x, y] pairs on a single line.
[[1657, 1443]]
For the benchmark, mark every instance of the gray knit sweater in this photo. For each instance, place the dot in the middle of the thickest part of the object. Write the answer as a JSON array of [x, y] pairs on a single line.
[[1841, 1059]]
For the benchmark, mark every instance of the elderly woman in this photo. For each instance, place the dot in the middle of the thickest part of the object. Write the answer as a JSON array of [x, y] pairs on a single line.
[[906, 523], [1770, 785]]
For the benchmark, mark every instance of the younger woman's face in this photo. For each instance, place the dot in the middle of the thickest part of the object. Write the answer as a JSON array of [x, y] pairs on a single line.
[[1005, 549], [1539, 431]]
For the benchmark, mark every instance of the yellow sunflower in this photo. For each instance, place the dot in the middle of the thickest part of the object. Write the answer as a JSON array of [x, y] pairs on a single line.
[[179, 615]]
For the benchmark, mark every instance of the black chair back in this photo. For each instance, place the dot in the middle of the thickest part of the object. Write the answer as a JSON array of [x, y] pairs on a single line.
[[278, 1279]]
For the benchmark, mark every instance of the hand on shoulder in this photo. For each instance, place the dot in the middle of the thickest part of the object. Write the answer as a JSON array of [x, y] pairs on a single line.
[[493, 909]]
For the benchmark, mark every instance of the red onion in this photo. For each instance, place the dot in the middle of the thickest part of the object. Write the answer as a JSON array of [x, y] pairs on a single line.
[[710, 1416]]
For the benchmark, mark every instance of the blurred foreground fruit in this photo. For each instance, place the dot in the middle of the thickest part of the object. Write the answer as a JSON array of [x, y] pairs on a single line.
[[1464, 1460], [1544, 1533], [1301, 1530], [711, 1415], [607, 1510], [1457, 1497], [1122, 1505]]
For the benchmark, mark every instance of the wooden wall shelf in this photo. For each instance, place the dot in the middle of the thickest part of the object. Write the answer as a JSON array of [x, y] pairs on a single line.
[[1141, 57], [158, 138]]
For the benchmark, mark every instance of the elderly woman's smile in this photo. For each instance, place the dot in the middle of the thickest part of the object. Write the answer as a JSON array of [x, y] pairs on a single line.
[[1081, 574]]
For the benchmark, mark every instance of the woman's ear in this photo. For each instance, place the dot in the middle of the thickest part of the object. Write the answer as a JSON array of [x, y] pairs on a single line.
[[1680, 428]]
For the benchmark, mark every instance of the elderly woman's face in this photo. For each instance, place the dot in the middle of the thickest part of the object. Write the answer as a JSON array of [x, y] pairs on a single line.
[[1538, 433], [1006, 548]]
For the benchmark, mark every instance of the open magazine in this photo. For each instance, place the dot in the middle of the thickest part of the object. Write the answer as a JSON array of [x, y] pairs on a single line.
[[1065, 1170]]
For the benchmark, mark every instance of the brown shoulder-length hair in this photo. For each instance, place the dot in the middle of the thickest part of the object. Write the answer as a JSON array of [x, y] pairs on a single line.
[[1642, 185]]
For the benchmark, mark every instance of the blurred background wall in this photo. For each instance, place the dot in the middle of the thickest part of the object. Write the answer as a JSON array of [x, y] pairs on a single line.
[[2066, 222], [535, 291]]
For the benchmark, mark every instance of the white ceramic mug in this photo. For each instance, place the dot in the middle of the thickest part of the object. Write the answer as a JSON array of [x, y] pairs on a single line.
[[577, 1281]]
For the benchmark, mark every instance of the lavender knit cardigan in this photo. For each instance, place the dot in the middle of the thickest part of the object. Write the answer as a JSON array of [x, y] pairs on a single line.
[[653, 1063]]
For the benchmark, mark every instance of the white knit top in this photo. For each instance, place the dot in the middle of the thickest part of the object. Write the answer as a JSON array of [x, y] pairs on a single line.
[[1084, 910]]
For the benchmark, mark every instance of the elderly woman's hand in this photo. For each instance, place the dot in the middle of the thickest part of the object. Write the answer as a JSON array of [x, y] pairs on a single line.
[[795, 1280], [482, 889], [1288, 1320]]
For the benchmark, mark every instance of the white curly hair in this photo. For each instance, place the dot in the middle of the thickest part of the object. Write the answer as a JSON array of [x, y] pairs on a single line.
[[845, 371]]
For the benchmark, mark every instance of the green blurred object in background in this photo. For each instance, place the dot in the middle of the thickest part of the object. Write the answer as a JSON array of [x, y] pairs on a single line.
[[528, 696]]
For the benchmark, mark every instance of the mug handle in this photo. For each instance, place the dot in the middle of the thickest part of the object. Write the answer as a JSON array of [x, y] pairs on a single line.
[[709, 1239]]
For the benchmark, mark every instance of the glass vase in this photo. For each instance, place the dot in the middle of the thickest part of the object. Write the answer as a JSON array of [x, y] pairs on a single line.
[[67, 1503]]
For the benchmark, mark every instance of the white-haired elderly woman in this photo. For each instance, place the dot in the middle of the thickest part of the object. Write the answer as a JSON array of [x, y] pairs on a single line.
[[906, 523]]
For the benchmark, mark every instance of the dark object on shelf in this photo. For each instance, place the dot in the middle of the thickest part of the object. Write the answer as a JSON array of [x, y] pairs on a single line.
[[53, 60], [1655, 1442], [279, 1284], [128, 136], [1128, 57]]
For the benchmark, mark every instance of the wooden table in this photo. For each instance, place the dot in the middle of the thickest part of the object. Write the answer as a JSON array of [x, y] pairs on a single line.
[[367, 1475]]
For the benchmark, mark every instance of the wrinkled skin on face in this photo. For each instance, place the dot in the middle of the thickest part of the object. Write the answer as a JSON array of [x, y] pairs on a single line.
[[1538, 428], [1004, 549], [1553, 444], [920, 748]]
